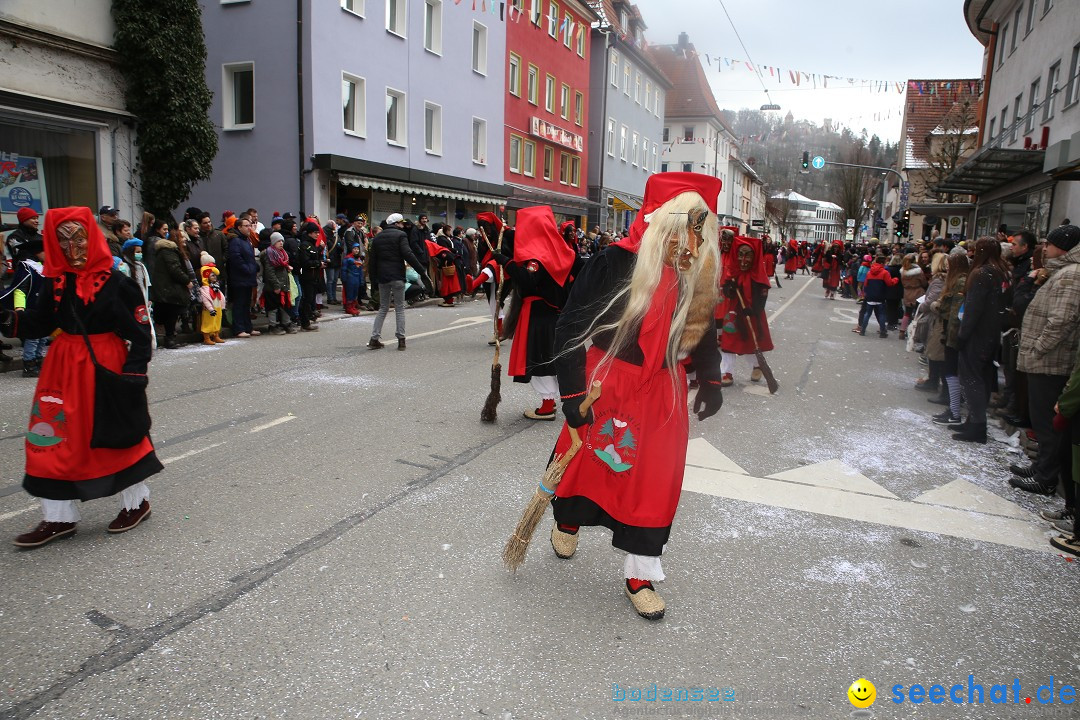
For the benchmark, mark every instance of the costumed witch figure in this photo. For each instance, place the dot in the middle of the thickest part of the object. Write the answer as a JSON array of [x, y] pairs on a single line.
[[646, 305], [212, 299], [832, 262], [543, 271], [101, 316], [746, 289], [791, 258]]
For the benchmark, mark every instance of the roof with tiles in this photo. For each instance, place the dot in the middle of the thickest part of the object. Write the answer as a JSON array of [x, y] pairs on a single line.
[[690, 95], [930, 106]]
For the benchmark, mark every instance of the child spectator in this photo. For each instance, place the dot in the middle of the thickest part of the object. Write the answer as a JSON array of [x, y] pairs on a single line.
[[24, 291], [352, 277], [213, 301]]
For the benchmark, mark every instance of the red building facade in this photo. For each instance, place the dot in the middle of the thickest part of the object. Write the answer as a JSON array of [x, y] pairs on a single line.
[[547, 105]]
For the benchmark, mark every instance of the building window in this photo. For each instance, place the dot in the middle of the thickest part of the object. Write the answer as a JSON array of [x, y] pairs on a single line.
[[613, 70], [1033, 106], [688, 167], [611, 137], [433, 128], [1047, 5], [396, 16], [637, 88], [1052, 91], [582, 29], [667, 133], [396, 111], [659, 103], [479, 141], [433, 26], [663, 167], [479, 48], [529, 164], [626, 78], [575, 171], [623, 132], [993, 122], [654, 158], [533, 83], [549, 160], [515, 154], [564, 168], [536, 11], [644, 153], [514, 83], [1031, 17], [238, 88], [1018, 107], [579, 108], [1001, 49], [648, 96], [549, 93], [567, 30], [1072, 85], [636, 156], [354, 105], [1016, 28], [553, 20], [564, 102], [688, 133], [1004, 123], [354, 6]]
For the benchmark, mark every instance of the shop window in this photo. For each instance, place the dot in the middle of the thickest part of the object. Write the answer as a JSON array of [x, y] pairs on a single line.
[[55, 166]]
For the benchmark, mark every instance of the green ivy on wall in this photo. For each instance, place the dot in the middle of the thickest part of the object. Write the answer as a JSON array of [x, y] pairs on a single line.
[[163, 58]]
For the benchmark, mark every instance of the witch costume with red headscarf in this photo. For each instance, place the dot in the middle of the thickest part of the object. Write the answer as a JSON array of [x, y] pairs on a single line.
[[645, 303], [744, 275], [543, 271], [832, 260], [82, 294], [791, 258]]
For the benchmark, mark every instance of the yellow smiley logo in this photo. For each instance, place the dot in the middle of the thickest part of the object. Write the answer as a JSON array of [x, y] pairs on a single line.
[[862, 693]]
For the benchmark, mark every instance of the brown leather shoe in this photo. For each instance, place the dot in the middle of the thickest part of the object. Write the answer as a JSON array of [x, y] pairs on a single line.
[[128, 519], [43, 533]]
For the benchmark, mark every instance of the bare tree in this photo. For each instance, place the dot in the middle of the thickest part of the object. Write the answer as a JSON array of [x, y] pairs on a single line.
[[948, 145], [854, 187], [784, 215]]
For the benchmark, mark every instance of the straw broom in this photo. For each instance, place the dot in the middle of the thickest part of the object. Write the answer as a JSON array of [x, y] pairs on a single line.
[[517, 545], [489, 412], [770, 379]]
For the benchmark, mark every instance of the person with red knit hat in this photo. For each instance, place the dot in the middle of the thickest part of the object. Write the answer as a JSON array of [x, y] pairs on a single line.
[[102, 318], [639, 311], [543, 270], [26, 231], [743, 275]]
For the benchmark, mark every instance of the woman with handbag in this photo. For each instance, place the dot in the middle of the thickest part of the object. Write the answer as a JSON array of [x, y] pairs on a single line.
[[89, 424], [172, 283]]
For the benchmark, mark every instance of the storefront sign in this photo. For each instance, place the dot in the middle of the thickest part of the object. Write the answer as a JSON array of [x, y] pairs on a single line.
[[553, 133], [22, 184]]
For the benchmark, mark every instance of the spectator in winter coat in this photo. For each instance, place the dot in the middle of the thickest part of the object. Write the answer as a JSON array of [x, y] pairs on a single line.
[[215, 243], [25, 290], [980, 329], [27, 231], [1017, 297], [1048, 343], [1068, 410], [309, 261], [876, 283], [387, 255], [242, 271], [171, 288], [277, 285], [894, 294], [952, 298], [913, 280]]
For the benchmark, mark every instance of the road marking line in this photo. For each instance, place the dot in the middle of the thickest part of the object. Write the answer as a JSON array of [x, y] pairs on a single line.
[[189, 453], [272, 423], [782, 308], [458, 324], [15, 513]]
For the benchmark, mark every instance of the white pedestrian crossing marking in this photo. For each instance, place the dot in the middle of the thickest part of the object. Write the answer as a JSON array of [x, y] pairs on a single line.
[[958, 509]]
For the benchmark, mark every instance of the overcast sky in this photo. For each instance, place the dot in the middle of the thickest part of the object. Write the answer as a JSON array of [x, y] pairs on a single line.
[[871, 40]]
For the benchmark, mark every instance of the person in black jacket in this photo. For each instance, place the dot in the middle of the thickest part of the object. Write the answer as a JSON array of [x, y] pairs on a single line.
[[309, 262], [243, 273], [1017, 297], [980, 328], [387, 255]]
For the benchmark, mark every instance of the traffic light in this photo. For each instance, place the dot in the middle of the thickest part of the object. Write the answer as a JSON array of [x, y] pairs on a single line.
[[805, 160]]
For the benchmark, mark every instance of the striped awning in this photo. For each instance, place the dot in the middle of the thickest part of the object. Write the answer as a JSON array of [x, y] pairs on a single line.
[[394, 186]]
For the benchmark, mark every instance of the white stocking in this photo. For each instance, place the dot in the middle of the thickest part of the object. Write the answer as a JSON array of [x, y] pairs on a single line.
[[65, 511], [132, 497]]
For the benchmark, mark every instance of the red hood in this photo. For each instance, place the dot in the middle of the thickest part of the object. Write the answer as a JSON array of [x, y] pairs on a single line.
[[537, 238], [99, 260]]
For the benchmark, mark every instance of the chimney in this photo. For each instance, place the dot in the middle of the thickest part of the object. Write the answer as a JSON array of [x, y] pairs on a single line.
[[684, 40]]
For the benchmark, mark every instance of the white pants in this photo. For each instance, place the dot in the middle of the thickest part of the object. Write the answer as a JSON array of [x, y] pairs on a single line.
[[727, 362], [67, 511], [547, 386], [643, 567]]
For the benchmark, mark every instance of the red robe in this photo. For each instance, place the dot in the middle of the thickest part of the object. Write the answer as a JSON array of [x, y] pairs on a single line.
[[733, 333]]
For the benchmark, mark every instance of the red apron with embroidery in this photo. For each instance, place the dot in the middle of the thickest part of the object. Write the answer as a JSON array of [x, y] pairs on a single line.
[[62, 415]]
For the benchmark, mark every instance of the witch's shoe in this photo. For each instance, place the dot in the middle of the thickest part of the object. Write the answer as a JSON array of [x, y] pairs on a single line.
[[208, 339], [563, 543], [727, 380], [546, 411], [755, 375], [646, 600], [45, 532], [129, 519]]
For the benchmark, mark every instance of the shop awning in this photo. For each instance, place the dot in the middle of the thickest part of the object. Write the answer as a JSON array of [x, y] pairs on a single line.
[[990, 168], [621, 202], [394, 186], [941, 209], [560, 202]]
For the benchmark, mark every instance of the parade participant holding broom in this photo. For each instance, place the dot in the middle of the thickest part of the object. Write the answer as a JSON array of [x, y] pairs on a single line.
[[741, 314], [543, 270], [646, 304], [89, 423]]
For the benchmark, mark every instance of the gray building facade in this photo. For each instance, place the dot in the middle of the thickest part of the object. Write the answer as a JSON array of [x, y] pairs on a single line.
[[373, 106], [626, 119]]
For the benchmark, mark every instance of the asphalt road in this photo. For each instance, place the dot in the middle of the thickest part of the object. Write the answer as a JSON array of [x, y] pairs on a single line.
[[325, 543]]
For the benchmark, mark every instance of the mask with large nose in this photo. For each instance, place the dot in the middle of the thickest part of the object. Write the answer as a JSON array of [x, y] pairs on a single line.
[[73, 241]]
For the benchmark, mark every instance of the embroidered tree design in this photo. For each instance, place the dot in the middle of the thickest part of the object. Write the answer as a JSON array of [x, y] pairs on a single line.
[[608, 429], [627, 441]]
